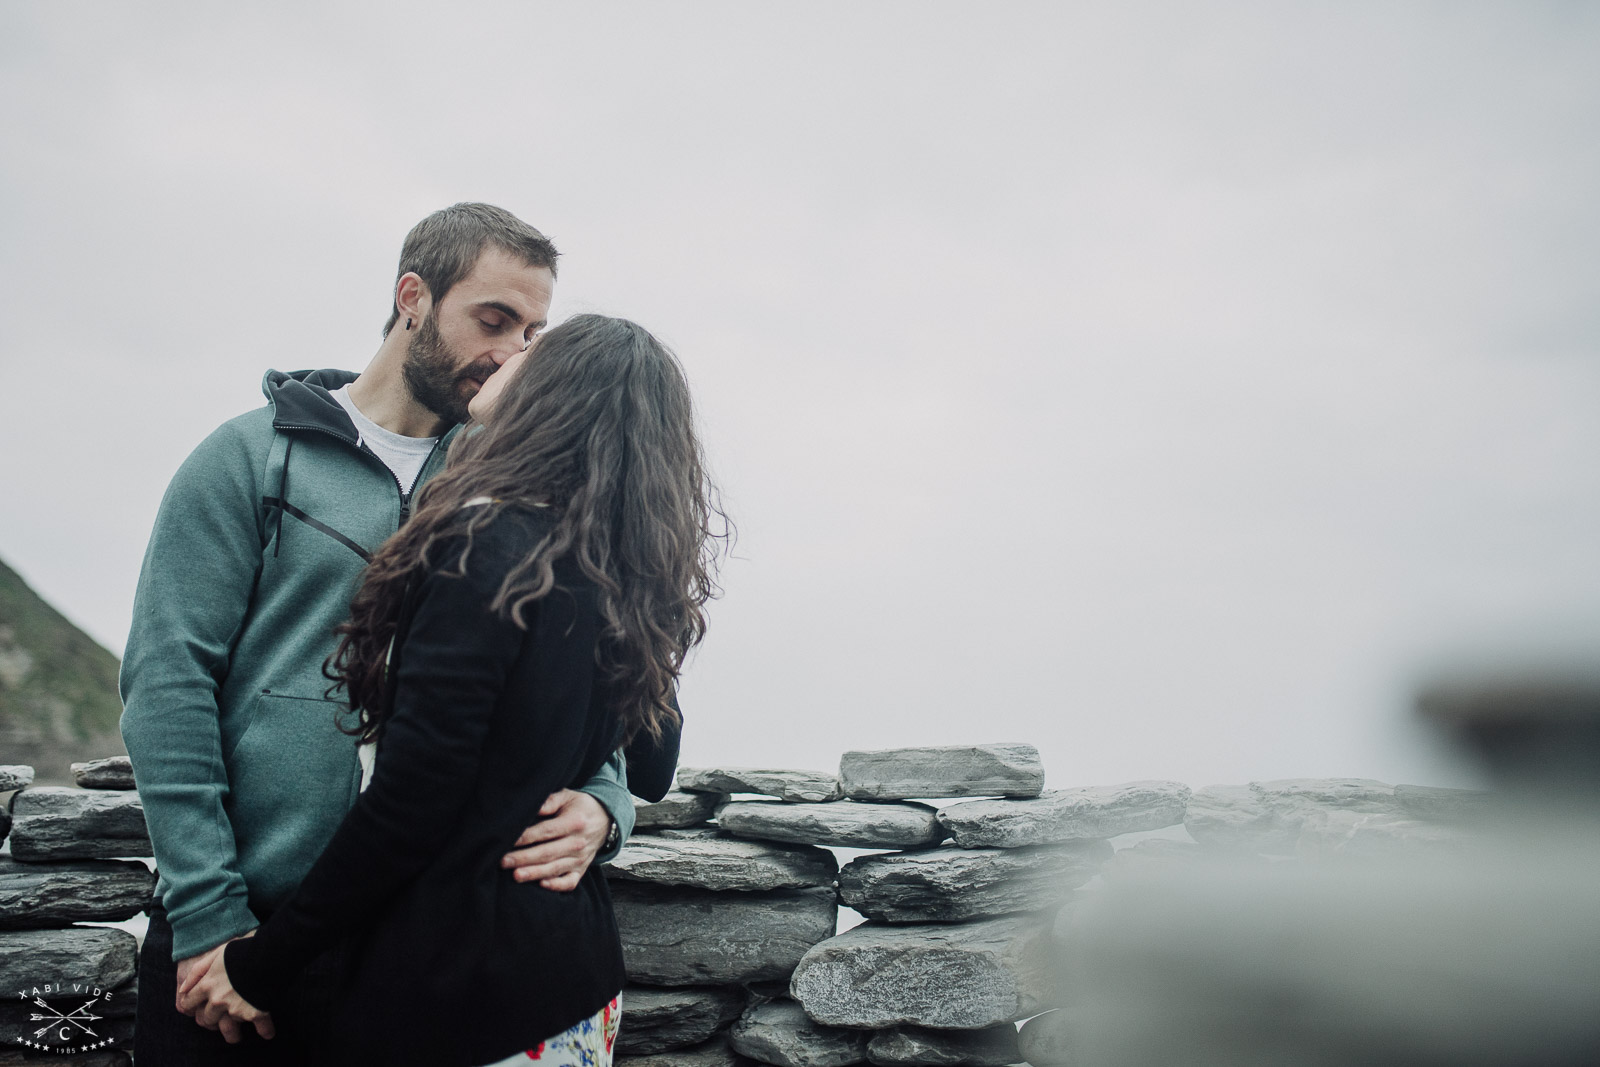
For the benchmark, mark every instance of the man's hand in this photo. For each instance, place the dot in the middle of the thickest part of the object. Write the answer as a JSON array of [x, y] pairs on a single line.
[[205, 992], [563, 845]]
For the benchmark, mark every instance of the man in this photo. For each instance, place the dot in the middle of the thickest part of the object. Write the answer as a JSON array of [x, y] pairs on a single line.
[[242, 770]]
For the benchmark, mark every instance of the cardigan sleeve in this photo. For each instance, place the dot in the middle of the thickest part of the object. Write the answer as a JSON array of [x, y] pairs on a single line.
[[652, 764], [458, 656]]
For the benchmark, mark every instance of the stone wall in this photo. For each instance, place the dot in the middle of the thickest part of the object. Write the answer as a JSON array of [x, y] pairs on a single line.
[[728, 897], [969, 897], [61, 868]]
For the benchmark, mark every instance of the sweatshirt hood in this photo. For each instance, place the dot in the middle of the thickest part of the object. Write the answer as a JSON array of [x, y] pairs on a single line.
[[302, 400]]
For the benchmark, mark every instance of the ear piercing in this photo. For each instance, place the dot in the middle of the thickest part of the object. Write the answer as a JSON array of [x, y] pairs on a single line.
[[408, 324]]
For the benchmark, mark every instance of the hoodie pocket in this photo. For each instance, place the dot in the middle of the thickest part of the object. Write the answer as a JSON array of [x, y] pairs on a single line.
[[269, 713], [293, 776]]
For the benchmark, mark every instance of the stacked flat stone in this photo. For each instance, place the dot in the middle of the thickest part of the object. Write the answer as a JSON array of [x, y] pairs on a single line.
[[728, 905], [1333, 818], [712, 924], [953, 948], [959, 942], [61, 871], [13, 776]]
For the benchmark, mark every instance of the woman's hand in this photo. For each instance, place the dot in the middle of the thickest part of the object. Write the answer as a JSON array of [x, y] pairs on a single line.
[[196, 965], [563, 845], [209, 996]]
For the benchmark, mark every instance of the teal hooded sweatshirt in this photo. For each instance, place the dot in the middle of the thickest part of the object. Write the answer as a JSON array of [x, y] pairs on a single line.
[[257, 548]]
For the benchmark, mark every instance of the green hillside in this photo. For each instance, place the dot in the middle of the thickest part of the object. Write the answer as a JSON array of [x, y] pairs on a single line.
[[58, 688]]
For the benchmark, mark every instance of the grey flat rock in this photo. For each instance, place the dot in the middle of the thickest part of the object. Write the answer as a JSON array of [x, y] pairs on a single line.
[[798, 787], [1293, 799], [1265, 817], [780, 1032], [967, 976], [40, 895], [915, 1046], [1373, 835], [15, 776], [96, 955], [113, 772], [1438, 804], [842, 823], [1045, 1041], [714, 1053], [675, 936], [1067, 815], [59, 823], [692, 833], [674, 811], [1233, 818], [954, 884], [715, 862], [661, 1020], [1009, 770], [1355, 794]]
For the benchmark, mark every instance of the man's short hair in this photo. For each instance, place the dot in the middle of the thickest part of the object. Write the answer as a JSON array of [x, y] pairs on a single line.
[[444, 247]]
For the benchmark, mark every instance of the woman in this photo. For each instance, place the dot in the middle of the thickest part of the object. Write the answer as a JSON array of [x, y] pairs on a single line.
[[532, 614]]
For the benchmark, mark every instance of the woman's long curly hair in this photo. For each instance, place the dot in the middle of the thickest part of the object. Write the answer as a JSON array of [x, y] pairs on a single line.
[[597, 425]]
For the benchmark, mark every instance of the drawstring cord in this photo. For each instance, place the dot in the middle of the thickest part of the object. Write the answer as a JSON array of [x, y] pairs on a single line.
[[283, 494]]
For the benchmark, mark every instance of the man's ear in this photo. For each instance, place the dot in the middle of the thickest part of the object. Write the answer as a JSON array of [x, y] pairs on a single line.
[[411, 298]]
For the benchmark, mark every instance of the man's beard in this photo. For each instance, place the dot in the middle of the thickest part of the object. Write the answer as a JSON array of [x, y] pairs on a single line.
[[434, 375]]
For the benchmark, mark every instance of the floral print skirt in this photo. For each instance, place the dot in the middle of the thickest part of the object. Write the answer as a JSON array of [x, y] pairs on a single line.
[[588, 1044]]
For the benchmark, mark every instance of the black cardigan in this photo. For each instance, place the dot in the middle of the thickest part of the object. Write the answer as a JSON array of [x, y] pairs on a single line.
[[454, 961]]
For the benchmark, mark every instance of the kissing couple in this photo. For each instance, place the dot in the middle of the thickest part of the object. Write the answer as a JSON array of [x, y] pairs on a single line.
[[403, 644]]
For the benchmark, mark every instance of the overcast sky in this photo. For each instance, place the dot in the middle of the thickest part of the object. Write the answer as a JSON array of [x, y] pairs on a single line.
[[1164, 384]]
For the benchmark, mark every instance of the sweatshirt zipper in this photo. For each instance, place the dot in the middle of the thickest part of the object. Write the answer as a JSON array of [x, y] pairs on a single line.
[[405, 497]]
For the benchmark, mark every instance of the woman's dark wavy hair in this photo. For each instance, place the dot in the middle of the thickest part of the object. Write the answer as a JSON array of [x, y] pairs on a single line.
[[596, 423]]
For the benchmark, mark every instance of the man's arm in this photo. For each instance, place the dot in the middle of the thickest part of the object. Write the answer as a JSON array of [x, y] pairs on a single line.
[[610, 787], [194, 591]]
